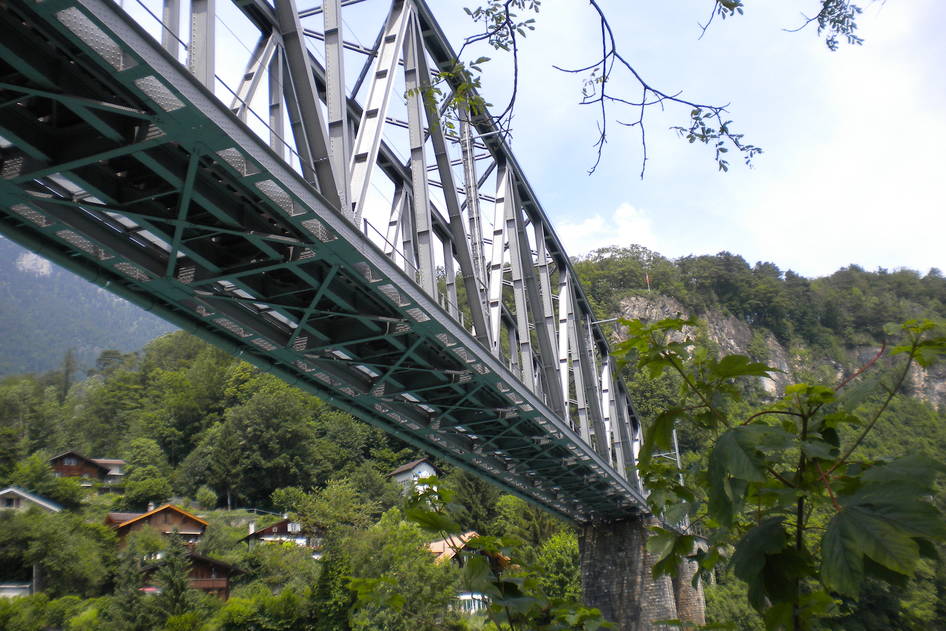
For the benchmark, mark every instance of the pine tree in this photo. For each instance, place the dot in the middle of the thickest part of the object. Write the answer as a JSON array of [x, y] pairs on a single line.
[[333, 599], [176, 595], [129, 610]]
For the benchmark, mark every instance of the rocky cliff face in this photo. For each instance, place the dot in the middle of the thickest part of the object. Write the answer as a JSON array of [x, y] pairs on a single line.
[[732, 335]]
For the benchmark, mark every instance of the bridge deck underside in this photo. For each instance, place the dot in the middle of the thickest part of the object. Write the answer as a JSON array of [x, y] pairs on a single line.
[[116, 164]]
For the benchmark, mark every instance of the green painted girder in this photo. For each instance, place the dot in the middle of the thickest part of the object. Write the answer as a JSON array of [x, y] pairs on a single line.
[[197, 220]]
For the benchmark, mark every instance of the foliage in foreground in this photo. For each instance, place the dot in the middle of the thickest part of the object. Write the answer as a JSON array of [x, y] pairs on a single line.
[[791, 506], [523, 595]]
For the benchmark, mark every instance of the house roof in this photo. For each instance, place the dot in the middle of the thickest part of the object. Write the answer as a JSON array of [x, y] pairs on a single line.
[[210, 561], [201, 558], [266, 530], [114, 465], [446, 549], [134, 517], [78, 455], [410, 465], [116, 518], [36, 499], [280, 527]]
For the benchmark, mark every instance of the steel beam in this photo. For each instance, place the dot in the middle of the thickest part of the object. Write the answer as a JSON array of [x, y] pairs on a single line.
[[310, 130], [336, 100], [201, 51], [422, 227], [368, 140]]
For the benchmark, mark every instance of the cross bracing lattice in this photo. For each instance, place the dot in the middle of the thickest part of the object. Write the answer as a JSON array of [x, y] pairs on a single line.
[[293, 196]]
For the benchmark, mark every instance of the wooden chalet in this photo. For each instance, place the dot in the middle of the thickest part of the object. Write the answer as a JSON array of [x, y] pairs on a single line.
[[167, 519], [210, 576], [72, 464]]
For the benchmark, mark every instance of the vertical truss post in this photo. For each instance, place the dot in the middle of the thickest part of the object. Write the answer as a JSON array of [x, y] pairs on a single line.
[[513, 337], [259, 59], [276, 133], [461, 244], [592, 388], [407, 234], [295, 123], [171, 20], [472, 189], [368, 140], [545, 330], [423, 233], [336, 100], [580, 370], [394, 220], [309, 125], [544, 337], [625, 433], [453, 307], [200, 53], [517, 261], [612, 422], [563, 339], [497, 260]]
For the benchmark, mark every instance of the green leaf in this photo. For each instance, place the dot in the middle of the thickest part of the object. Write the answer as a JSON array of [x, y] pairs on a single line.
[[768, 538], [765, 437], [819, 449], [842, 562], [478, 577], [739, 366], [659, 435], [916, 469], [660, 542], [431, 521], [735, 451], [858, 532]]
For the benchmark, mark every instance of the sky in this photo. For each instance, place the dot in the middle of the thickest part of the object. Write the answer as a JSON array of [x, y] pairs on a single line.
[[853, 165]]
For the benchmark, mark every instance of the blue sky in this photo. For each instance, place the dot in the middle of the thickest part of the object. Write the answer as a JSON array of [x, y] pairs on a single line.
[[853, 167]]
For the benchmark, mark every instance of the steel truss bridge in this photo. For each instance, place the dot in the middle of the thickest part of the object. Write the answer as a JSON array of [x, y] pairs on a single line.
[[256, 177]]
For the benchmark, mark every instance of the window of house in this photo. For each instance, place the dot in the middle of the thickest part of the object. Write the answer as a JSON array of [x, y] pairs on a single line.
[[70, 461], [9, 502]]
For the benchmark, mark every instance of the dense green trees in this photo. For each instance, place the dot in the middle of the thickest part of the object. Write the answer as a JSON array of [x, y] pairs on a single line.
[[850, 306], [192, 422], [67, 554]]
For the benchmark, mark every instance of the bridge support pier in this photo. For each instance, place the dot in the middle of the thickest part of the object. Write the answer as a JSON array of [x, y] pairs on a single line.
[[616, 578]]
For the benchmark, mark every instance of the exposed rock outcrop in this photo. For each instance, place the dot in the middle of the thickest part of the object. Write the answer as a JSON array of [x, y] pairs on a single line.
[[732, 335]]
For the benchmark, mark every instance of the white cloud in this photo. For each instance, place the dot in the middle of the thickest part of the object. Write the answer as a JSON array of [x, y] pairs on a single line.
[[34, 264], [625, 226]]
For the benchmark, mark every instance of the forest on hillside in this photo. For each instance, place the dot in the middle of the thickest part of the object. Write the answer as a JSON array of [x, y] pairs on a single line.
[[218, 437], [849, 307]]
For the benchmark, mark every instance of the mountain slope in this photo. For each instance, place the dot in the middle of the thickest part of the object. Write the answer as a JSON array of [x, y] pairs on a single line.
[[45, 311]]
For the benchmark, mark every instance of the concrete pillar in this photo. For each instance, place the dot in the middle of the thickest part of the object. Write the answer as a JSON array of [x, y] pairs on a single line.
[[690, 604], [616, 576]]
